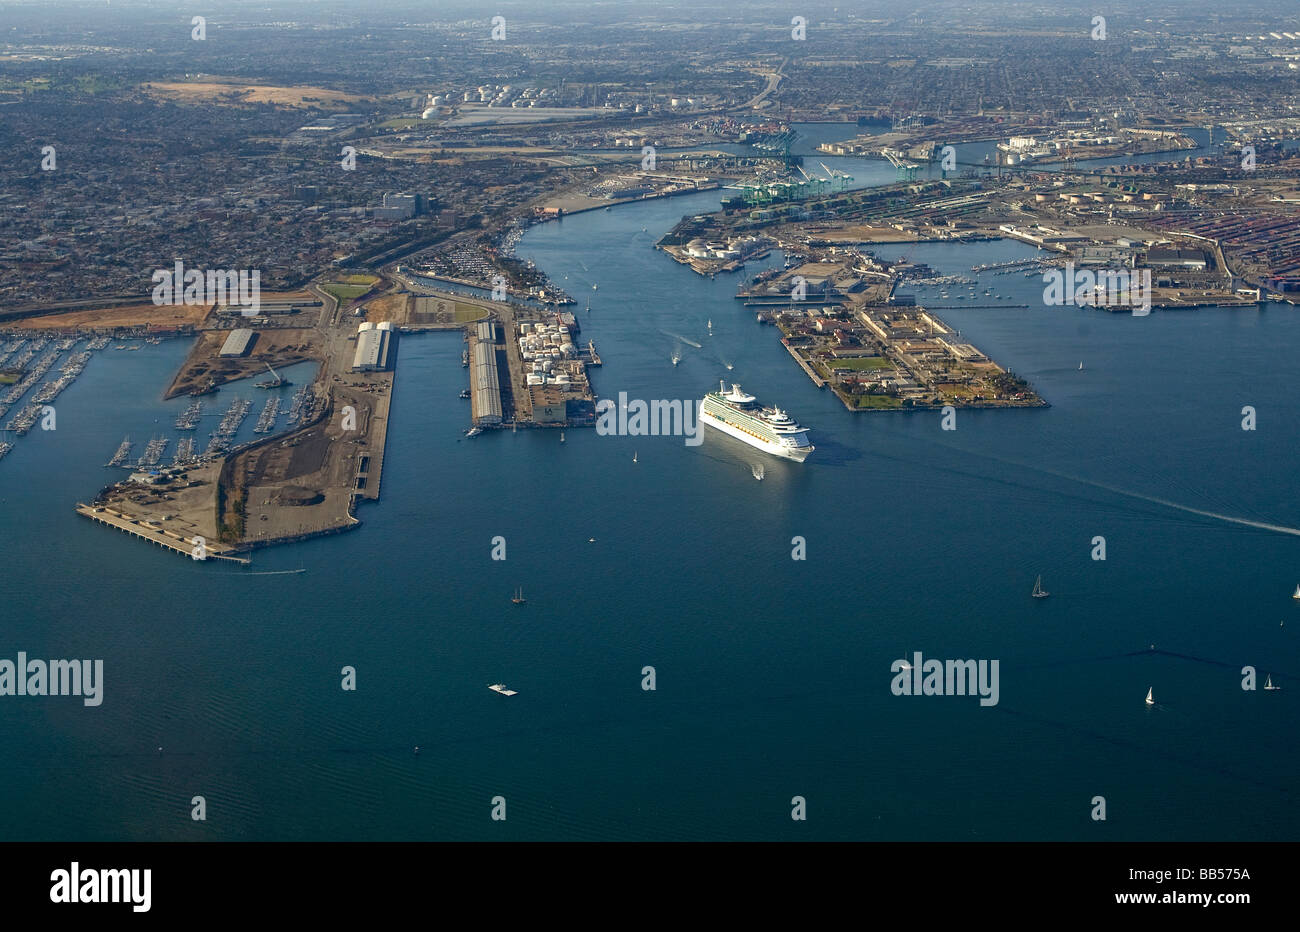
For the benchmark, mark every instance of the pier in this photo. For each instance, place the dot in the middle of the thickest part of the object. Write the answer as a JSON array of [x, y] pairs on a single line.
[[157, 535], [803, 364]]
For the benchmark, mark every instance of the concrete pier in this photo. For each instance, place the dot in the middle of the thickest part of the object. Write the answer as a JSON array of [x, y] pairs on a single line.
[[157, 535]]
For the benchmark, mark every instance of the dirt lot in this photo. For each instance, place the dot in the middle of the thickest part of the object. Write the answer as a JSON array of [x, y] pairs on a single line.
[[277, 347], [236, 93], [131, 315]]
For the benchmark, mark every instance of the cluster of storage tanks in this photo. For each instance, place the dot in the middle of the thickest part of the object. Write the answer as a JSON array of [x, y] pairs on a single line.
[[542, 346]]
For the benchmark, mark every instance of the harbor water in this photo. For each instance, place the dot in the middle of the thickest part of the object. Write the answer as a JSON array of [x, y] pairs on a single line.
[[772, 675]]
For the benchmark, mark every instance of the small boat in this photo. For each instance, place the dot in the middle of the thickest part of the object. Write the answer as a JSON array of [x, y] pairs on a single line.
[[591, 540], [561, 436], [710, 325], [758, 471], [634, 456], [1296, 595], [1039, 592], [1080, 365], [473, 432], [518, 597], [501, 687], [1268, 683], [464, 393], [1150, 699]]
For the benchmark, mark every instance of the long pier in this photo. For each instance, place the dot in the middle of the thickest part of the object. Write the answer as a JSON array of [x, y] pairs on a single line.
[[803, 364], [155, 535]]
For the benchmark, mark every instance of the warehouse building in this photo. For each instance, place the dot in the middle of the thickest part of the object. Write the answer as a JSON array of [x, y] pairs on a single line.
[[485, 383], [238, 343], [375, 347]]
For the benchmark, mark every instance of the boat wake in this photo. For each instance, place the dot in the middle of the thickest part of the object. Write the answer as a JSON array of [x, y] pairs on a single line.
[[1217, 515], [1140, 496], [678, 336]]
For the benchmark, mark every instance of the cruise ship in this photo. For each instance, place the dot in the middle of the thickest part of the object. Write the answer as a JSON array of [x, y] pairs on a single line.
[[770, 429]]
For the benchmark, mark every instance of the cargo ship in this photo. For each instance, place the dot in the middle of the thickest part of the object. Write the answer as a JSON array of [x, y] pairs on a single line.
[[769, 429]]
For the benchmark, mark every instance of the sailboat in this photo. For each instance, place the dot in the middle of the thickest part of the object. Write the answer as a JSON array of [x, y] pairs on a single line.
[[710, 324], [1080, 365], [1039, 592], [1150, 699], [1296, 595], [518, 597], [1268, 683], [561, 436]]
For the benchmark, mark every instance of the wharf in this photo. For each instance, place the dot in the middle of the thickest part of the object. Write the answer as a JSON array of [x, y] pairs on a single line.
[[803, 364], [157, 535]]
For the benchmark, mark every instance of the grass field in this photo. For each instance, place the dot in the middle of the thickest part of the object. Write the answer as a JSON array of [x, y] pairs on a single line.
[[358, 279], [344, 293], [402, 123], [876, 401], [860, 363], [468, 312]]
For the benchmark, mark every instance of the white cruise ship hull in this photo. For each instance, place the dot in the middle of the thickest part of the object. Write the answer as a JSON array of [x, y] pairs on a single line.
[[798, 454]]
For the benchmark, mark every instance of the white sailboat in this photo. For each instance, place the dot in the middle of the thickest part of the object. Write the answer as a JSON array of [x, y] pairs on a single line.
[[1081, 365], [1039, 592], [1296, 595], [1268, 683], [1150, 699]]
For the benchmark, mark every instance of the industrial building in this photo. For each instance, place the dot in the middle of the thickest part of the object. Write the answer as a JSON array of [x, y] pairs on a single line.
[[375, 347], [485, 383], [238, 343]]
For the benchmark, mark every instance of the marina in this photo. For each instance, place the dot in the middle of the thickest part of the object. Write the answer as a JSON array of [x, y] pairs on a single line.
[[122, 455], [229, 426], [189, 418], [153, 452], [266, 420], [184, 455]]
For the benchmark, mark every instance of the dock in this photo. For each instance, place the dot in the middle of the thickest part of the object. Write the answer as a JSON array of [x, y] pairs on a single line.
[[157, 535], [803, 364]]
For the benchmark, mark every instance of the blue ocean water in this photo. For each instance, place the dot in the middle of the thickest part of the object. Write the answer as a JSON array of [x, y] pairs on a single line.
[[773, 675]]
